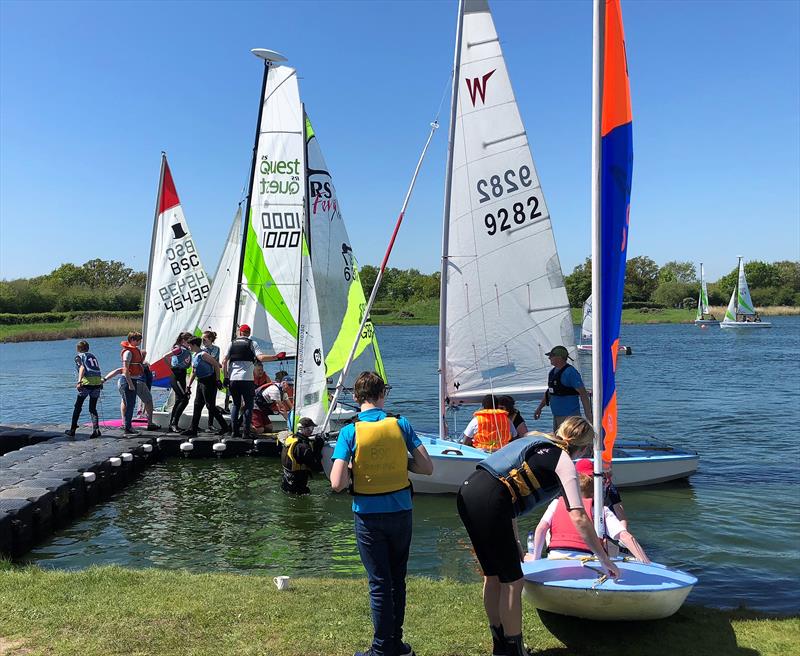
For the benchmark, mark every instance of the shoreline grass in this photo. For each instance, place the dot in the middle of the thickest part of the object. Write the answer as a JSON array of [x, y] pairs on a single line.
[[416, 313], [114, 610], [68, 329]]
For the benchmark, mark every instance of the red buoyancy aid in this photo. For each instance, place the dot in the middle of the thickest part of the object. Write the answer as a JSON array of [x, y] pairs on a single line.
[[494, 429], [135, 368], [563, 534]]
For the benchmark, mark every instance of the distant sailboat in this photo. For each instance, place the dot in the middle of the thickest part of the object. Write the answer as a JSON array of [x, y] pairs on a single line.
[[740, 313], [177, 284], [586, 331], [702, 304]]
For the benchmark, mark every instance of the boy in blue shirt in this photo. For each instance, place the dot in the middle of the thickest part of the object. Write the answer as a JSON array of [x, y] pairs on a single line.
[[371, 458], [564, 388]]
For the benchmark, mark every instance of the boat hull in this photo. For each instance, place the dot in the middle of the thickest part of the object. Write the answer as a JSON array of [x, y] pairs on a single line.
[[643, 592], [635, 463], [745, 325], [622, 350], [706, 322]]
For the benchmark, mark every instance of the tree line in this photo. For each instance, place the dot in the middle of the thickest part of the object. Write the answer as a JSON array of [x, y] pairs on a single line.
[[676, 284], [110, 285]]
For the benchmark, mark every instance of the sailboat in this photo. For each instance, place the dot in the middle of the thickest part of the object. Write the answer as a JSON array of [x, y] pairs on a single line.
[[298, 284], [575, 586], [585, 344], [702, 304], [177, 284], [740, 313], [503, 300]]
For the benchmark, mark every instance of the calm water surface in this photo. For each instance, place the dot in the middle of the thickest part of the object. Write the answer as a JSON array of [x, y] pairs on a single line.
[[733, 398]]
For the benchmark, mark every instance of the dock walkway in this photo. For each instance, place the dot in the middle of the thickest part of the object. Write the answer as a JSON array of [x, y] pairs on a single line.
[[48, 479]]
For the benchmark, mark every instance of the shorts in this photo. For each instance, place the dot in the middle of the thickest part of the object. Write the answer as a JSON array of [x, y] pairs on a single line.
[[141, 389], [485, 508], [92, 391]]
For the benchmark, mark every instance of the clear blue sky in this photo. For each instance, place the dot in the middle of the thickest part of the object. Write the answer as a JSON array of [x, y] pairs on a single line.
[[91, 92]]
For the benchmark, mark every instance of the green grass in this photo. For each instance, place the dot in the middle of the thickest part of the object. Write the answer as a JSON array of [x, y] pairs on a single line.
[[415, 313], [113, 611], [69, 329]]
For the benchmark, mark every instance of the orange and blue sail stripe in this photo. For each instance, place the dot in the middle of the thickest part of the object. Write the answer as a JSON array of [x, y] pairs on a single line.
[[616, 170]]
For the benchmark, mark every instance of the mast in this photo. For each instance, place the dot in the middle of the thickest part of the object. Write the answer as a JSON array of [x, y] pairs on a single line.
[[598, 15], [446, 227], [270, 58], [305, 233], [738, 290], [152, 250]]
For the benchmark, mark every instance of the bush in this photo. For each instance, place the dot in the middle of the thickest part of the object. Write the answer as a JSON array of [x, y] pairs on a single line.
[[8, 319], [671, 294], [766, 296]]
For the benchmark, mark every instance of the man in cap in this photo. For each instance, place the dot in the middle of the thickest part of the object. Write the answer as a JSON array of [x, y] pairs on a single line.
[[238, 367], [564, 388], [301, 455]]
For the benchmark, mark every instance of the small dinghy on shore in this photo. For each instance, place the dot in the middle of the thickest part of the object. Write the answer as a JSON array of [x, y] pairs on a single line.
[[579, 589]]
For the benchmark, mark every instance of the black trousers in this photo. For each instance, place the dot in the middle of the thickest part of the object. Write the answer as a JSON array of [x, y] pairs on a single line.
[[206, 395], [178, 385], [242, 390]]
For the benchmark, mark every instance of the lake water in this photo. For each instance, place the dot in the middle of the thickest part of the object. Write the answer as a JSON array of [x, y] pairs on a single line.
[[733, 398]]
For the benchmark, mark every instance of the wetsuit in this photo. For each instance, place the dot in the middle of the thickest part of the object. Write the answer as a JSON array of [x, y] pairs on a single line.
[[206, 393], [181, 360], [90, 385]]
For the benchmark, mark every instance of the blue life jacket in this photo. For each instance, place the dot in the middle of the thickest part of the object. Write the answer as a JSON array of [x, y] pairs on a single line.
[[92, 375], [183, 360], [212, 350], [509, 466], [201, 368]]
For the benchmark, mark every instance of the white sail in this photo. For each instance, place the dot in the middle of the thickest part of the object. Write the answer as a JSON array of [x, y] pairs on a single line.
[[218, 312], [340, 297], [177, 284], [586, 324], [311, 391], [703, 291], [730, 311], [506, 301], [269, 298], [744, 302]]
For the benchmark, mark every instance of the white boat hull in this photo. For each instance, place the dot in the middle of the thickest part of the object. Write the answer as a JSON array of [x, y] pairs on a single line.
[[706, 322], [745, 325], [635, 463], [622, 350], [643, 592]]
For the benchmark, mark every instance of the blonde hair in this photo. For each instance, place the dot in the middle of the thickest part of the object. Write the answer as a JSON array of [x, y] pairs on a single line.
[[586, 483], [574, 434]]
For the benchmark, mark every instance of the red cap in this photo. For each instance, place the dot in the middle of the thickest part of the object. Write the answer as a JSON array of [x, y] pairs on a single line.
[[244, 328], [584, 466]]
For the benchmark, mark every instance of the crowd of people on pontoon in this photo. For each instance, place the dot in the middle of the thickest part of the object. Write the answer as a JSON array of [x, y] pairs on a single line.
[[195, 362]]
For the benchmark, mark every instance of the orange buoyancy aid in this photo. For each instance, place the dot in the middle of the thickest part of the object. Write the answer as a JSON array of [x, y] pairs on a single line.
[[135, 368], [494, 430], [380, 462], [563, 534]]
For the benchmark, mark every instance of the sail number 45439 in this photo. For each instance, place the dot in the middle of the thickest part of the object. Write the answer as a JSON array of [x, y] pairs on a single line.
[[498, 186]]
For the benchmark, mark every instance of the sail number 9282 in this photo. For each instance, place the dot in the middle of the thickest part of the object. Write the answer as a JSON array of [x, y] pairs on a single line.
[[518, 214], [497, 186]]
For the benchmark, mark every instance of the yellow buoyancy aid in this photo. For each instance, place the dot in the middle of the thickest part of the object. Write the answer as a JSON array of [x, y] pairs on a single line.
[[380, 464], [494, 430], [292, 462]]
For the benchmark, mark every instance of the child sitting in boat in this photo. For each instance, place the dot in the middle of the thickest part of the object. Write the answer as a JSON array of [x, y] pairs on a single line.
[[565, 541], [491, 428]]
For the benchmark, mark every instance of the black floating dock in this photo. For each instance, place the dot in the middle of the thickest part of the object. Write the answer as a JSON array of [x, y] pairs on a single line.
[[47, 479]]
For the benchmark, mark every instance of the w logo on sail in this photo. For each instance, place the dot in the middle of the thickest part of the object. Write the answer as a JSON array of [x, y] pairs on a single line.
[[477, 87]]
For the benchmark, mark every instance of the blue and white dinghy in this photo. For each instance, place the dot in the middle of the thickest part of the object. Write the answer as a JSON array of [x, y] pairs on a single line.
[[578, 589], [573, 585]]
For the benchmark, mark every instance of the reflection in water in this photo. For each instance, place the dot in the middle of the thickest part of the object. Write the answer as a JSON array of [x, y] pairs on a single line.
[[735, 526]]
